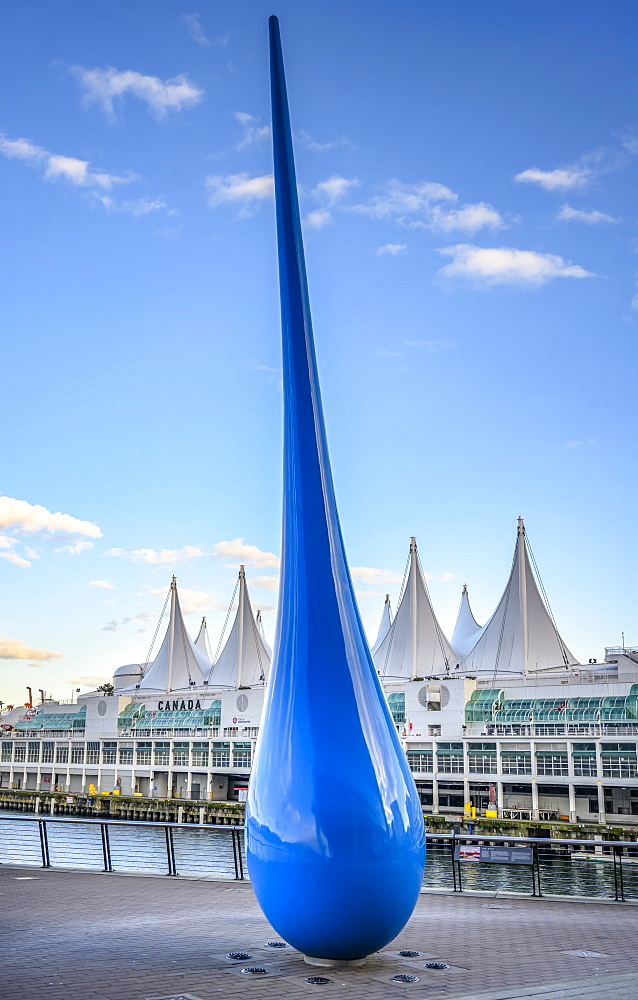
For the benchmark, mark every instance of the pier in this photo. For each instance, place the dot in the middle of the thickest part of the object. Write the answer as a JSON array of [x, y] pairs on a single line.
[[136, 938]]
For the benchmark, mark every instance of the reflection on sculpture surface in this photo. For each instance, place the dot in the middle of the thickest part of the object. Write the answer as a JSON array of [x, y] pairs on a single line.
[[335, 835]]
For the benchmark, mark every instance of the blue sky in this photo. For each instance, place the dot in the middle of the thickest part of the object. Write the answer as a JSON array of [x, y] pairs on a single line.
[[467, 178]]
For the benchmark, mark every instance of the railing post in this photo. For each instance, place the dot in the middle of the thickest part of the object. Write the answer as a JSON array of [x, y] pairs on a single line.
[[536, 864], [44, 843], [619, 886], [234, 843], [239, 857], [106, 847], [170, 850]]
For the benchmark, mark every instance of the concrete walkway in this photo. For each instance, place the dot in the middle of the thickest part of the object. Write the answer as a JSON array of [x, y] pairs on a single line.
[[86, 936]]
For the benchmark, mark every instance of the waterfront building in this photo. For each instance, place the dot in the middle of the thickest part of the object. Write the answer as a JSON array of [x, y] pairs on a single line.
[[501, 718]]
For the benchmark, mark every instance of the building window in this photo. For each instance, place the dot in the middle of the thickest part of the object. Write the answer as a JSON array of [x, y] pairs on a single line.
[[516, 763], [434, 697], [450, 763], [220, 755], [180, 754], [419, 760], [449, 757], [34, 753], [549, 763], [396, 701], [21, 752], [483, 763], [93, 753], [161, 754], [62, 755], [47, 753], [585, 767], [200, 755], [7, 751], [77, 754], [109, 753], [619, 767], [434, 730], [126, 755], [242, 754], [143, 753]]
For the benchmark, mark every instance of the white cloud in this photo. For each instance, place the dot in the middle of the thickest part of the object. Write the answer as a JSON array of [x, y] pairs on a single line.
[[579, 444], [265, 582], [90, 679], [247, 554], [467, 219], [592, 216], [253, 132], [102, 584], [318, 219], [634, 301], [334, 189], [137, 207], [116, 552], [26, 517], [391, 248], [195, 30], [323, 147], [239, 189], [194, 601], [69, 168], [17, 560], [76, 548], [367, 574], [105, 86], [401, 200], [418, 206], [447, 577], [569, 178], [15, 649], [506, 265], [166, 557], [367, 593]]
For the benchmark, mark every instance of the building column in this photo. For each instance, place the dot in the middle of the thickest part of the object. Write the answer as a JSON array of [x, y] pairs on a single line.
[[535, 815], [466, 793], [572, 803], [500, 799], [435, 796], [601, 803]]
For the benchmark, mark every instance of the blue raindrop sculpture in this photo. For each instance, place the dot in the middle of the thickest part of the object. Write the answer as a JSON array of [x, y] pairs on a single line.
[[334, 827]]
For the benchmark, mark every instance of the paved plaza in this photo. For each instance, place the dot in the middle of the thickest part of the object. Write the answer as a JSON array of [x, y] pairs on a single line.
[[87, 936]]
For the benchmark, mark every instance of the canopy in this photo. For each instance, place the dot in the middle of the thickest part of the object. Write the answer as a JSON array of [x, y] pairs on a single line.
[[384, 625], [179, 663], [415, 645], [467, 630], [521, 636], [245, 658]]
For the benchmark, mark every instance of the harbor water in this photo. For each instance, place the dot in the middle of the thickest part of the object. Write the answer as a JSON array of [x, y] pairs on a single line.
[[207, 852]]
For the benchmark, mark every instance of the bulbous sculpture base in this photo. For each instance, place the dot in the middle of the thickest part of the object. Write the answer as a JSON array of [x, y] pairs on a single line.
[[335, 963]]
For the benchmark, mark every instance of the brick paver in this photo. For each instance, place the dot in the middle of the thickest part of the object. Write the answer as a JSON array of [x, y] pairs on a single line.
[[87, 936]]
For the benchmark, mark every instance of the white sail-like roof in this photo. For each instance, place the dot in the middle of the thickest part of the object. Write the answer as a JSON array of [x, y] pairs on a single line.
[[179, 663], [415, 645], [521, 636], [245, 659], [384, 624], [202, 639], [260, 626], [467, 630]]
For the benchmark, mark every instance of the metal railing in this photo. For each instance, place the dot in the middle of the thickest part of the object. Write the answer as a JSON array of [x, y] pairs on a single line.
[[599, 869]]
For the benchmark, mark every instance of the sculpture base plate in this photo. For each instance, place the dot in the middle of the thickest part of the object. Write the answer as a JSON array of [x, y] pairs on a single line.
[[334, 963]]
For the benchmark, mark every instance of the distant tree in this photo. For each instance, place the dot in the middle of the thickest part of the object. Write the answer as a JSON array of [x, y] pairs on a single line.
[[107, 689]]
